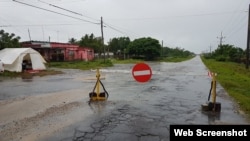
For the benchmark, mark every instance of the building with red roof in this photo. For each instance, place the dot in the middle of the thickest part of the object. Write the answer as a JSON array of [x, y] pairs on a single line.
[[54, 51]]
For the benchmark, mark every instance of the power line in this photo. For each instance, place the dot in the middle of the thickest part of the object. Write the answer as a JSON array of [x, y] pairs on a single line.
[[114, 29], [68, 10], [60, 8], [56, 24], [183, 16], [8, 25], [55, 12], [232, 20], [237, 30], [61, 24]]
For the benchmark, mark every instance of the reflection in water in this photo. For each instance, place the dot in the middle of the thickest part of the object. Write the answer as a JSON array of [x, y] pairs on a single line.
[[100, 107], [97, 106], [212, 116], [27, 77]]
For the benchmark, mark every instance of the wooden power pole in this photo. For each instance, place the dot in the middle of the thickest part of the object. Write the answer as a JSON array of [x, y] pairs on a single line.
[[103, 39], [248, 40], [162, 48], [29, 34]]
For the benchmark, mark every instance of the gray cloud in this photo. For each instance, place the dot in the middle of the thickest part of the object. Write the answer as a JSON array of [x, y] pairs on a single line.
[[190, 24]]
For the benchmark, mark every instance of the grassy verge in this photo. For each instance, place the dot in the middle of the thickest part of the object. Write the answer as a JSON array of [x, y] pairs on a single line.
[[81, 64], [84, 66], [166, 59], [235, 79], [66, 65], [126, 61], [26, 74], [176, 59]]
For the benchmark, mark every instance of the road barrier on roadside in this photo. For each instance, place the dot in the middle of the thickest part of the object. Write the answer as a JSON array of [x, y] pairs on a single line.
[[96, 95], [212, 105]]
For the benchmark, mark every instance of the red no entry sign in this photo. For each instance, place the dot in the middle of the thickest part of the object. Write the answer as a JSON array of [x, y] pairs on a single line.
[[142, 72]]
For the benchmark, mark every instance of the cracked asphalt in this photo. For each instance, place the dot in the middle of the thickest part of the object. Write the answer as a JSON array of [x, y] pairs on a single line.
[[143, 111]]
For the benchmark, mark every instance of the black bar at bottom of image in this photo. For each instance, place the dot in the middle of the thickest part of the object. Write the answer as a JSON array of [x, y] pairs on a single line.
[[178, 132]]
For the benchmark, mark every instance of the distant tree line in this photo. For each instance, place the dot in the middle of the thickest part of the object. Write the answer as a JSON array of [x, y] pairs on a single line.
[[146, 48], [176, 52], [8, 40], [226, 52]]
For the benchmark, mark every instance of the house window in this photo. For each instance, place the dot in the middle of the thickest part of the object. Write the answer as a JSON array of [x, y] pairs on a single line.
[[71, 52]]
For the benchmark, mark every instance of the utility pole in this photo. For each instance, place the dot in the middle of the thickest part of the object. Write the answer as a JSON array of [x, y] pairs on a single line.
[[162, 48], [103, 39], [248, 40], [221, 38], [210, 47], [43, 33], [29, 33], [57, 35]]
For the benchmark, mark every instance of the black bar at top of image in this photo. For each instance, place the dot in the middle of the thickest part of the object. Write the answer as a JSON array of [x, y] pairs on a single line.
[[215, 132]]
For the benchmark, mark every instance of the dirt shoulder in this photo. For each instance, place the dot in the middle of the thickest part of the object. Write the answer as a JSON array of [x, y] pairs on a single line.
[[34, 117]]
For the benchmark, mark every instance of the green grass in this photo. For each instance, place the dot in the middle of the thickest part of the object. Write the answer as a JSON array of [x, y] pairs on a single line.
[[26, 74], [176, 59], [66, 65], [81, 64], [235, 79], [10, 74], [126, 61], [166, 59]]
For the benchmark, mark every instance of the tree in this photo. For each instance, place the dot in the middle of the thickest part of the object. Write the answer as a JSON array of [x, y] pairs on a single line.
[[92, 42], [227, 53], [146, 48], [8, 40], [176, 52], [223, 50], [236, 54], [118, 45], [73, 41]]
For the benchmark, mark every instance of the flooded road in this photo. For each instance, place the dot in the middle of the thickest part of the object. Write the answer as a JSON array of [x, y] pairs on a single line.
[[57, 108]]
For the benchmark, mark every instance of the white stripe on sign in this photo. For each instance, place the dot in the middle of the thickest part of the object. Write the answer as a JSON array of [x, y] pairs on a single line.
[[144, 72]]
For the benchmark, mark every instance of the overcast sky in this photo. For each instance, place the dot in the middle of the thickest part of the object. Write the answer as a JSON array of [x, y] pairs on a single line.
[[194, 25]]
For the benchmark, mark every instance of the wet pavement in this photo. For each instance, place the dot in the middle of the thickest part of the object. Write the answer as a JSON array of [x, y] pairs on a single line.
[[21, 87], [134, 111]]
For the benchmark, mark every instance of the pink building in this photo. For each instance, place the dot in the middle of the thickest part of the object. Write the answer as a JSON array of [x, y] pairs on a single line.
[[53, 51]]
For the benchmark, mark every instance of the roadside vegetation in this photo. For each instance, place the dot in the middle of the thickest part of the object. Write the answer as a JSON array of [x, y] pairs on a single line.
[[109, 62], [227, 61], [229, 64], [27, 74], [177, 59], [83, 65], [125, 61], [122, 50]]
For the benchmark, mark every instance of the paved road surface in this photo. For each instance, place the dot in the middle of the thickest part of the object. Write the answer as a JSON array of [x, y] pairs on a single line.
[[134, 111]]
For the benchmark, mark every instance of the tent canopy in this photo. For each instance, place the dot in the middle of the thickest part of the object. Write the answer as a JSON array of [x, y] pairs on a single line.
[[14, 57]]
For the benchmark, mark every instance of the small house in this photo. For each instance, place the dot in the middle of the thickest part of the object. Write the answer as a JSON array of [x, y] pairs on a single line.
[[54, 51]]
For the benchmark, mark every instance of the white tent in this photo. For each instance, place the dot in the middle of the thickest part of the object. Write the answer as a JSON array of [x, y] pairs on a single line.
[[13, 58]]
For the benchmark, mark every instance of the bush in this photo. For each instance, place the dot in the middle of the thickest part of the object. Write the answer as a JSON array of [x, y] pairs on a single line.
[[220, 58]]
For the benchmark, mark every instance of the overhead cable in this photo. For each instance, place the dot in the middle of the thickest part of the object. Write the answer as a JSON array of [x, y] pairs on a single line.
[[114, 28], [55, 12], [120, 31], [61, 8], [56, 24], [67, 10]]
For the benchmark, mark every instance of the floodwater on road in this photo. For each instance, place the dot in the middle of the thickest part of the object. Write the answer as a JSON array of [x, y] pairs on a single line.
[[57, 108]]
